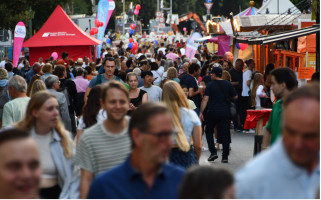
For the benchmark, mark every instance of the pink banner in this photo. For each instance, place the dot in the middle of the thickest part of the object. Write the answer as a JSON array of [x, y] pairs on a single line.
[[19, 36], [111, 9], [191, 46]]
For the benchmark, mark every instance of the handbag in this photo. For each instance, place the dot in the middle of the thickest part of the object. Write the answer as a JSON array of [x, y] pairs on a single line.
[[232, 106]]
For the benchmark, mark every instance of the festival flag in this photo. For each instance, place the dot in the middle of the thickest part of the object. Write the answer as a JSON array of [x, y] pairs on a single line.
[[104, 11], [191, 46], [19, 36]]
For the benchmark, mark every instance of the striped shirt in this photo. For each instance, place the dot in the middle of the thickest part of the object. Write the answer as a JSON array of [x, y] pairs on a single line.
[[99, 150]]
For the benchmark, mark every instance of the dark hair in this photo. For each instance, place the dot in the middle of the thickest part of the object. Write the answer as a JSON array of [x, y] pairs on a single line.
[[269, 67], [203, 70], [88, 69], [64, 55], [12, 134], [153, 66], [59, 71], [316, 77], [129, 63], [311, 91], [193, 68], [184, 86], [122, 75], [108, 59], [8, 66], [285, 75], [112, 84], [146, 73], [92, 107], [205, 182], [141, 116], [36, 67], [142, 57], [249, 61]]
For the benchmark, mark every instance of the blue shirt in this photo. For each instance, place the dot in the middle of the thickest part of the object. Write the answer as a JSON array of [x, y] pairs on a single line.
[[272, 175], [93, 81], [124, 182]]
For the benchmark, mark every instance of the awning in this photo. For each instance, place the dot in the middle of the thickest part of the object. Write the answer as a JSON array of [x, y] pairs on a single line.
[[286, 35], [203, 39]]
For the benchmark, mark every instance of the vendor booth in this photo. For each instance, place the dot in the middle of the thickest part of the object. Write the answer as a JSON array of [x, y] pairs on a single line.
[[60, 34]]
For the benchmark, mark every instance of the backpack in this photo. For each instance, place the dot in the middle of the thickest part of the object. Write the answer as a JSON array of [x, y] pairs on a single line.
[[3, 98]]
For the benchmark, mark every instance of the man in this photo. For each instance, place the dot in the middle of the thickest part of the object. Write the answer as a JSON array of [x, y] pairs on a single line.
[[105, 144], [109, 67], [9, 67], [245, 99], [36, 68], [14, 110], [86, 63], [237, 82], [228, 56], [171, 54], [26, 68], [154, 92], [184, 70], [145, 174], [144, 65], [20, 170], [283, 80], [194, 92], [291, 168], [123, 66], [162, 48], [52, 84]]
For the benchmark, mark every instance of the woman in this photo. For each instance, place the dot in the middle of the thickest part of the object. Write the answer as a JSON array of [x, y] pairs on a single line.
[[168, 63], [217, 95], [33, 79], [136, 95], [68, 87], [187, 124], [257, 91], [92, 112], [37, 86], [157, 72], [59, 178]]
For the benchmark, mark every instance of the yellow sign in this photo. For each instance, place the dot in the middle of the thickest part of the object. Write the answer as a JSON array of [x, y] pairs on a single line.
[[311, 60]]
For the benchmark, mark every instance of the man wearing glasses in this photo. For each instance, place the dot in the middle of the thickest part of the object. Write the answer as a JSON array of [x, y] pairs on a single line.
[[144, 174]]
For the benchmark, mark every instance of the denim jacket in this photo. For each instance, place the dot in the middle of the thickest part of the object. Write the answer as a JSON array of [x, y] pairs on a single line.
[[68, 174]]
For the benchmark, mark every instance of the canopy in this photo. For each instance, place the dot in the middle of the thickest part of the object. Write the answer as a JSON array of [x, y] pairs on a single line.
[[60, 34], [278, 7], [249, 11], [223, 42]]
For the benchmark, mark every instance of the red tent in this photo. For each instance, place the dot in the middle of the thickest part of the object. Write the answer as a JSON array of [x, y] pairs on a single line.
[[60, 34]]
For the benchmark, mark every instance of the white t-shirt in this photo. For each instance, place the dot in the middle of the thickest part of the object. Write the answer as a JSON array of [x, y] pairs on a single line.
[[2, 63], [154, 93], [162, 49], [246, 76], [158, 75], [259, 94], [101, 116]]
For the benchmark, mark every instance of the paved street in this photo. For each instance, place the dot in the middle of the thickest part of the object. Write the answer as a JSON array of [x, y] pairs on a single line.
[[242, 150]]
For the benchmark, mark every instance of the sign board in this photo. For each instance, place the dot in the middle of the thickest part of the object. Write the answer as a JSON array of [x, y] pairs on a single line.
[[159, 14], [208, 6], [305, 72], [311, 60], [161, 20]]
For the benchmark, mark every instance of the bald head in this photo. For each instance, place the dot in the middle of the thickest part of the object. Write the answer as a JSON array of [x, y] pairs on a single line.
[[229, 56]]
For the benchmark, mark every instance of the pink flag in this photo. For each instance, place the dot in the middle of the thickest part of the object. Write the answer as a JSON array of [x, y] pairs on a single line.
[[191, 46], [111, 9], [19, 36]]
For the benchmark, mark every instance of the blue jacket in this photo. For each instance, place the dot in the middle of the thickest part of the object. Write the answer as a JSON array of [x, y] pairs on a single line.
[[68, 174]]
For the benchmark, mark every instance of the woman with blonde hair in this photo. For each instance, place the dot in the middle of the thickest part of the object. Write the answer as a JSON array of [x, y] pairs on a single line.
[[257, 91], [137, 96], [186, 123], [59, 178], [37, 86]]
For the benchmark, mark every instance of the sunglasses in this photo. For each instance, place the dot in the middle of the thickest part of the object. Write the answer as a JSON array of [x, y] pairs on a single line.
[[162, 136]]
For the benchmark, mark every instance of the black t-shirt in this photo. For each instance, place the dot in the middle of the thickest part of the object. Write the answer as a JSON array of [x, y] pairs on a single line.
[[217, 101], [191, 82], [72, 92], [206, 79], [237, 76], [137, 101]]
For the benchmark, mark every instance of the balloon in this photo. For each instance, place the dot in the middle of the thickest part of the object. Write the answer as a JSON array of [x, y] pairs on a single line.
[[108, 40], [54, 55], [138, 7], [135, 45], [132, 26], [184, 29], [101, 24], [237, 45], [131, 31], [156, 42], [97, 22], [91, 32], [131, 40], [95, 30], [136, 12], [130, 45]]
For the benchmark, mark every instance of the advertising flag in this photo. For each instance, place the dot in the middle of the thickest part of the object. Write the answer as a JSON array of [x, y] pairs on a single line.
[[19, 36], [191, 46]]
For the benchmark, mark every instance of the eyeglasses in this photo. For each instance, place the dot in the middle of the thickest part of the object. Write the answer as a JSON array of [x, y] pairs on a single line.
[[110, 58], [162, 136]]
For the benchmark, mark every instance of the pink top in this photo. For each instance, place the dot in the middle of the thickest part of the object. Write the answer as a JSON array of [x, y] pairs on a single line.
[[81, 84], [172, 56]]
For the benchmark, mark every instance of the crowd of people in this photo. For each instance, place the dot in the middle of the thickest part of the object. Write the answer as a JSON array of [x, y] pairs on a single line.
[[131, 125]]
